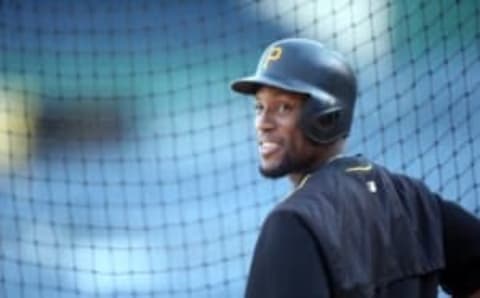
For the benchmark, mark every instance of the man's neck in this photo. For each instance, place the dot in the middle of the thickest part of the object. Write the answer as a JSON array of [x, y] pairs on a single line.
[[298, 178], [326, 155]]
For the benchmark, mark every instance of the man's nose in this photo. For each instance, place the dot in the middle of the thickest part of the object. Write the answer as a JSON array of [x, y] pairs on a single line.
[[264, 121]]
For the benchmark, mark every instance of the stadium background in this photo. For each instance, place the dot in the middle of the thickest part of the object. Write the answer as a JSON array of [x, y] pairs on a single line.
[[127, 166]]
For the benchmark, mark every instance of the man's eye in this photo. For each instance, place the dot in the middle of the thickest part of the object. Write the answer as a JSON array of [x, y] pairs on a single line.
[[283, 108], [258, 108]]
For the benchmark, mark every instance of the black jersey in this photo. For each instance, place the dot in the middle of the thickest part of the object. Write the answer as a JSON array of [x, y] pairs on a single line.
[[354, 229]]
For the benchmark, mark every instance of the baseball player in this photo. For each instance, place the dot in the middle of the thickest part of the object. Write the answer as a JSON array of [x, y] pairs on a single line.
[[350, 228]]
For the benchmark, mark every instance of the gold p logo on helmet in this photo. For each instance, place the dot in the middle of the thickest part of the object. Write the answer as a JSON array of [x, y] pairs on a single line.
[[274, 55]]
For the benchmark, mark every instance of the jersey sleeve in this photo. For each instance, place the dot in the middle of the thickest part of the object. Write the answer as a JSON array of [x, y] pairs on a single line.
[[287, 261], [461, 276]]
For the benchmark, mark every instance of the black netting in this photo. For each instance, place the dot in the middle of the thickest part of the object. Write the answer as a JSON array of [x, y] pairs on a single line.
[[127, 166]]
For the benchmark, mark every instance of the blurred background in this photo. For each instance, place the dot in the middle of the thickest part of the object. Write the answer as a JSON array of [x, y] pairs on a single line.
[[127, 166]]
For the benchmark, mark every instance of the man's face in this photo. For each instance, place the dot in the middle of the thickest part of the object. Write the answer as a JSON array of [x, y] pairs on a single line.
[[282, 146]]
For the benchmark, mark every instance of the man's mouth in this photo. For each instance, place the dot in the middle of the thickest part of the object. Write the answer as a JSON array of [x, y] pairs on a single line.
[[267, 148]]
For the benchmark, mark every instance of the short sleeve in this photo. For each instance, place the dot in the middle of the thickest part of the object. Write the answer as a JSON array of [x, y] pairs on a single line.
[[286, 262], [461, 275]]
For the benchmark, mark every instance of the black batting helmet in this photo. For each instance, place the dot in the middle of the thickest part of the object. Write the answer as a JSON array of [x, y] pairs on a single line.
[[308, 67]]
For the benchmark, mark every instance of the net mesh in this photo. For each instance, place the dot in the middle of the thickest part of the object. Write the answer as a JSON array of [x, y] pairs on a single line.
[[127, 166]]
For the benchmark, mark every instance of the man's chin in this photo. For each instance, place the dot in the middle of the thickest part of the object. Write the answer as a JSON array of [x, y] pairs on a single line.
[[273, 173], [285, 167]]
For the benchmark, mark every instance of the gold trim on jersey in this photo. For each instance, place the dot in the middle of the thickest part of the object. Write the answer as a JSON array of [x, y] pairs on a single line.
[[300, 185], [359, 169]]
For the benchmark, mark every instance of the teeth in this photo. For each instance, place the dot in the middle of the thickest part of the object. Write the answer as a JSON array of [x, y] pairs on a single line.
[[268, 147]]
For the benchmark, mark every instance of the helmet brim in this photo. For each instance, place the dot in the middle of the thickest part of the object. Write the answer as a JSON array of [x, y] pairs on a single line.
[[250, 85]]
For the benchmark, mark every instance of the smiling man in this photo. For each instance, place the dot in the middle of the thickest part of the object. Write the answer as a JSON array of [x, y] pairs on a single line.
[[350, 228]]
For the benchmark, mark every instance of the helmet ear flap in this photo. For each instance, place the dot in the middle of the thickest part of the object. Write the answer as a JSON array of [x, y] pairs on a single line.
[[320, 123], [328, 121]]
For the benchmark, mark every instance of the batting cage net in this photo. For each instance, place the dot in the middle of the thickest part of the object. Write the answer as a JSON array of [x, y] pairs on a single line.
[[129, 169]]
